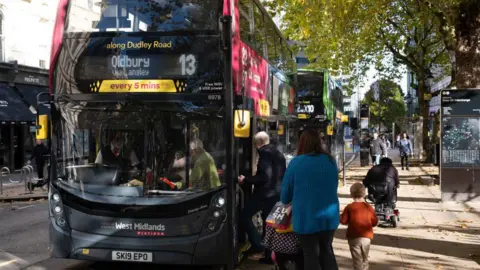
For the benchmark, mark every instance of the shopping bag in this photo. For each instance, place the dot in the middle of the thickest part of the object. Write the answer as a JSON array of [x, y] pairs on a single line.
[[280, 216], [287, 230]]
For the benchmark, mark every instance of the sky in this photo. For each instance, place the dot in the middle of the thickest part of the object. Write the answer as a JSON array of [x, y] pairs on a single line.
[[371, 79]]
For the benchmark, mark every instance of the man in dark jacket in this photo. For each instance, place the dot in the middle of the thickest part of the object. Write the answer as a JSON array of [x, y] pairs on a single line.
[[385, 172], [266, 189], [39, 152], [377, 149]]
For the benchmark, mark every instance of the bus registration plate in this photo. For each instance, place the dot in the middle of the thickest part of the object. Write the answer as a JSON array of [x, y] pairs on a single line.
[[131, 256]]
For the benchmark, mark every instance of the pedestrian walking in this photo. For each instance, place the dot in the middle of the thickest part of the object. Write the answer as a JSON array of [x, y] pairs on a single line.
[[267, 182], [360, 218], [387, 144], [310, 185], [39, 152], [377, 149], [405, 148]]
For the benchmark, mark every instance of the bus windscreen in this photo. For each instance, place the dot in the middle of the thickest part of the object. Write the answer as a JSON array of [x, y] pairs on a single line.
[[310, 84], [143, 15]]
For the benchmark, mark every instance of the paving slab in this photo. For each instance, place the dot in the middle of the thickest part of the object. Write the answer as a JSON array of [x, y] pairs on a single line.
[[16, 192], [431, 234]]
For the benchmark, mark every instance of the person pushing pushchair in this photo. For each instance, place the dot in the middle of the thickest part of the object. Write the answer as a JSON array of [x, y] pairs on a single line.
[[281, 240]]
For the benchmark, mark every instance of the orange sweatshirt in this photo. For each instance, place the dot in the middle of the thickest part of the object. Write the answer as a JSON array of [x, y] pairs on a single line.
[[360, 218]]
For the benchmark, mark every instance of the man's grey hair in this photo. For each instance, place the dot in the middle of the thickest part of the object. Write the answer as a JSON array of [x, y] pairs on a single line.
[[262, 138], [196, 145]]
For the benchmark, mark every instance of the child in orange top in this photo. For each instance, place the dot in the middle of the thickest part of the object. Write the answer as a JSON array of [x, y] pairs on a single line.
[[360, 218]]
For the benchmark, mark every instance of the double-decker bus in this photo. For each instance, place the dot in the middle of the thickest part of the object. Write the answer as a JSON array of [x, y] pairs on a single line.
[[319, 105], [153, 108]]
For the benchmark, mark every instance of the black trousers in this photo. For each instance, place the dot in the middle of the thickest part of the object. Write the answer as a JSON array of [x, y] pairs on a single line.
[[404, 160], [282, 260], [253, 206], [40, 169], [318, 251]]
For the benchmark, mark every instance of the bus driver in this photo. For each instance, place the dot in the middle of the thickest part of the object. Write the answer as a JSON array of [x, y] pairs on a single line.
[[113, 155]]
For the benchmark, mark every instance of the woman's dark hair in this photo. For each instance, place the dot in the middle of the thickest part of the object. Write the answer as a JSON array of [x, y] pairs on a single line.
[[311, 143]]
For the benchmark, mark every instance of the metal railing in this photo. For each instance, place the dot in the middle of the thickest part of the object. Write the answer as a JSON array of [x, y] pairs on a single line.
[[27, 175], [3, 172]]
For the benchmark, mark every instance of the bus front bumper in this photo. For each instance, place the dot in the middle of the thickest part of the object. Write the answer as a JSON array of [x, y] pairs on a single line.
[[182, 250]]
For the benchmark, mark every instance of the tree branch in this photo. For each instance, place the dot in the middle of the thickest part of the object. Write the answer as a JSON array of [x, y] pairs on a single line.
[[435, 58]]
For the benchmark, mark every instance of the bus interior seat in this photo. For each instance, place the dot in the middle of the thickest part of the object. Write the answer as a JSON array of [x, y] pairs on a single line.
[[107, 176]]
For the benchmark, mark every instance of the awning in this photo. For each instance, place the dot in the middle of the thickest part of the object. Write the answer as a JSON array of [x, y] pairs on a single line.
[[30, 93], [12, 107]]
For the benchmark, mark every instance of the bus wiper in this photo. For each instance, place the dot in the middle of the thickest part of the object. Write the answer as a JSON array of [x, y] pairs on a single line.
[[190, 23]]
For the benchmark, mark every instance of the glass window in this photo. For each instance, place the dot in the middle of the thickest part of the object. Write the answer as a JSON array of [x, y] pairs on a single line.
[[278, 49], [2, 44], [140, 146], [284, 55], [246, 25], [271, 35], [259, 29], [310, 84], [143, 16]]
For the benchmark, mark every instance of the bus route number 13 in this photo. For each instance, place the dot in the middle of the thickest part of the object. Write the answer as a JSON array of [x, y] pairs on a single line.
[[188, 62]]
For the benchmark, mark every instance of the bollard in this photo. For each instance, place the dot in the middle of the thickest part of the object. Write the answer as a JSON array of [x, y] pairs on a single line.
[[30, 176], [27, 174], [23, 172], [4, 171]]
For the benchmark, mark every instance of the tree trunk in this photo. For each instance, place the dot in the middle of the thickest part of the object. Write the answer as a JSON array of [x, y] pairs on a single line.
[[468, 45]]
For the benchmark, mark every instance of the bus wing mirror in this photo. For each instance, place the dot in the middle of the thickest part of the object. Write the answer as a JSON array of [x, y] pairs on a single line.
[[241, 124], [42, 127]]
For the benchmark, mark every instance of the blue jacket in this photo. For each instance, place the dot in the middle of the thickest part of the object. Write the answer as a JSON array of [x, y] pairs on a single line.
[[405, 146], [310, 184]]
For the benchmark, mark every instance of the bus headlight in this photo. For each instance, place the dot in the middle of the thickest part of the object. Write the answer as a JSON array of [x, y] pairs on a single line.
[[220, 202], [57, 209], [56, 197]]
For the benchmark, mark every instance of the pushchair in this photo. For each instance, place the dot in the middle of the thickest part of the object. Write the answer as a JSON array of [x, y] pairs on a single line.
[[385, 205], [285, 247]]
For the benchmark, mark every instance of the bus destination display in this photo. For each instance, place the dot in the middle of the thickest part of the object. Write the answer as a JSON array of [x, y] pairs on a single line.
[[169, 64]]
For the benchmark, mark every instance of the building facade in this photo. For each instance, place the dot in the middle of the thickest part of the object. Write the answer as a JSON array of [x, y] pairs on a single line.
[[26, 29]]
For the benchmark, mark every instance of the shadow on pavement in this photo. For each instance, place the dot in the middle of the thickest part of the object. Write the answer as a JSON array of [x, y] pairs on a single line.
[[447, 248]]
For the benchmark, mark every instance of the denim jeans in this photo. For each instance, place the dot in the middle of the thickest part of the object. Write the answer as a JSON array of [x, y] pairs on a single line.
[[376, 159]]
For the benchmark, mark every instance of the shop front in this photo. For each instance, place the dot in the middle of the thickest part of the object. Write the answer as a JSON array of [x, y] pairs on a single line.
[[19, 87]]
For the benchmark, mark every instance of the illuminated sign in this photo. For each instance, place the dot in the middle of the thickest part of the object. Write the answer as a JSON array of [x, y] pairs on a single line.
[[305, 108], [134, 86], [147, 64]]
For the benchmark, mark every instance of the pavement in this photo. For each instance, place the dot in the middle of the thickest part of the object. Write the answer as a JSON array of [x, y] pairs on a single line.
[[14, 189], [430, 235]]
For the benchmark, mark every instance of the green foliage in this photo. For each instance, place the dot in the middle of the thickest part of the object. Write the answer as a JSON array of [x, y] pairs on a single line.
[[347, 36], [392, 106]]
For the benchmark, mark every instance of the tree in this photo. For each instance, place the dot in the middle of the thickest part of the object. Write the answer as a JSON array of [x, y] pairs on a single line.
[[460, 25], [349, 36], [391, 103]]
